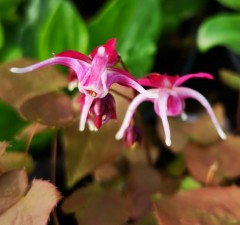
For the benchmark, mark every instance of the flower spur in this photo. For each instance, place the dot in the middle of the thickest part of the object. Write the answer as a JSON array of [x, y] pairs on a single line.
[[170, 101]]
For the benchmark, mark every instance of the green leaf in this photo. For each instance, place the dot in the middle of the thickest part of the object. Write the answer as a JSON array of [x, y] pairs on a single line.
[[174, 13], [136, 25], [221, 30], [8, 8], [70, 34], [234, 4], [52, 26], [189, 183], [10, 122], [1, 35], [230, 78], [177, 166]]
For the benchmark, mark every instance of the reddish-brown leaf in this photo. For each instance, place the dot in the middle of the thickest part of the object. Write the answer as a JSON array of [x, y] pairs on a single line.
[[52, 109], [203, 131], [225, 155], [143, 181], [3, 146], [16, 160], [18, 88], [95, 205], [13, 186], [34, 208], [206, 206]]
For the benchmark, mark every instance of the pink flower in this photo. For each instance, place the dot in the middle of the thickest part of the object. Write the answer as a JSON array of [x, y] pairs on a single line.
[[132, 135], [101, 110], [169, 101], [94, 73]]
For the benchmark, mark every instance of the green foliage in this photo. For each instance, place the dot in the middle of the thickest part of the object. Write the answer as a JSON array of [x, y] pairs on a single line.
[[136, 29], [174, 13], [10, 122], [222, 29], [51, 27], [8, 9], [234, 4], [189, 183], [230, 78], [1, 35]]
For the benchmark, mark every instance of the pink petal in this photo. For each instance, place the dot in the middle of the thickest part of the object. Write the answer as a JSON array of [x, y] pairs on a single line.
[[190, 93], [125, 79], [94, 81], [74, 64], [73, 54], [129, 114], [110, 51], [184, 78], [157, 80], [161, 105], [85, 109]]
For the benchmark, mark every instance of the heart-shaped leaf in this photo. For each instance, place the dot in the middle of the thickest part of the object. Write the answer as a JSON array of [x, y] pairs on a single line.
[[52, 109], [13, 186], [206, 206], [200, 160], [95, 205], [18, 88], [32, 213]]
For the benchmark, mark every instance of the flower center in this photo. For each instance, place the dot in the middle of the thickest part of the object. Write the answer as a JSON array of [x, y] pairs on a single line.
[[92, 93]]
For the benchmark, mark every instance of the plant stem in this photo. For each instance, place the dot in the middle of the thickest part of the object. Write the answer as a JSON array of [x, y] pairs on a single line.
[[54, 158], [29, 141]]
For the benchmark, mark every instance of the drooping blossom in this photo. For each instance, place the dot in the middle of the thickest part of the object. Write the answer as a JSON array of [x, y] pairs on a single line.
[[132, 135], [170, 101], [94, 73], [101, 110]]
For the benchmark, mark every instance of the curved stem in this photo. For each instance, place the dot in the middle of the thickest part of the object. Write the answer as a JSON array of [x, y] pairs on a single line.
[[33, 132], [54, 158]]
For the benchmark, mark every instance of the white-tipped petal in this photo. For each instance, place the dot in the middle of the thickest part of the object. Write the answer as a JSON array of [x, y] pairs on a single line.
[[101, 51], [168, 142], [129, 114], [72, 63], [85, 109], [162, 108], [15, 70], [190, 93]]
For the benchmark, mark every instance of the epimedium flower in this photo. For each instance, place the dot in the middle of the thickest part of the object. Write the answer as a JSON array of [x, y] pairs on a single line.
[[101, 110], [170, 101], [132, 135], [93, 74]]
